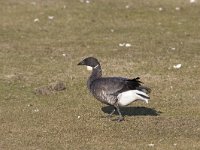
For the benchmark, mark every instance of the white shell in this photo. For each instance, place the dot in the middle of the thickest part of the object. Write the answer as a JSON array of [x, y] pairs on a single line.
[[127, 45], [177, 66], [192, 1], [50, 17]]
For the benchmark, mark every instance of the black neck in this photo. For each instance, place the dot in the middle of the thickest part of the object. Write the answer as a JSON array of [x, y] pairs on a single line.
[[96, 73]]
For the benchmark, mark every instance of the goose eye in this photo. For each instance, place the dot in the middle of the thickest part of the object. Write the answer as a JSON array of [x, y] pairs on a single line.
[[89, 68]]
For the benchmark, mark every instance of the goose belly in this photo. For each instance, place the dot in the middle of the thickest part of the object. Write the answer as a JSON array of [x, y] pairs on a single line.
[[126, 98], [104, 97]]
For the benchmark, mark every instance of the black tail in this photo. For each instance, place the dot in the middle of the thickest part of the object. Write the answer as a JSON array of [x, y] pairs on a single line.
[[134, 83]]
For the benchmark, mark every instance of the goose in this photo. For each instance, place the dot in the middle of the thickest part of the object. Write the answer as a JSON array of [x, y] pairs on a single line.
[[114, 91]]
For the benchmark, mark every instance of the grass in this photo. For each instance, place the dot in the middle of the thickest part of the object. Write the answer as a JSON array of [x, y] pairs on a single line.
[[31, 56]]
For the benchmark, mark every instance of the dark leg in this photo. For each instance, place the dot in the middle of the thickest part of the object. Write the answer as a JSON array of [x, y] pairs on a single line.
[[121, 118], [110, 115]]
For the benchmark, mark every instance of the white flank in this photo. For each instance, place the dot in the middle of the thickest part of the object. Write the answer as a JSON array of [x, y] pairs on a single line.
[[89, 68], [128, 97]]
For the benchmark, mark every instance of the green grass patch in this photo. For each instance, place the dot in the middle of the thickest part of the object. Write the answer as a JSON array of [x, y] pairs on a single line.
[[36, 51]]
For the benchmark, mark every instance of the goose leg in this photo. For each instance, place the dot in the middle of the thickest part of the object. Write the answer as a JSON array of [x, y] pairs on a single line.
[[110, 115], [121, 118]]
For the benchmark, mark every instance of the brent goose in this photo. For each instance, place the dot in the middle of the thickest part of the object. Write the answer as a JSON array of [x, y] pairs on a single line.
[[114, 91]]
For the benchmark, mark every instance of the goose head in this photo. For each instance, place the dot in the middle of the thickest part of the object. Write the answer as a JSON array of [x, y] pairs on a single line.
[[90, 62]]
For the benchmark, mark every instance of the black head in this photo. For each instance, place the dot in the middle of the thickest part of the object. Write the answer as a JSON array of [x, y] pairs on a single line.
[[90, 61]]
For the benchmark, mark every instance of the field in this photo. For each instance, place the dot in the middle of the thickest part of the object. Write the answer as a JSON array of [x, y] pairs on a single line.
[[41, 42]]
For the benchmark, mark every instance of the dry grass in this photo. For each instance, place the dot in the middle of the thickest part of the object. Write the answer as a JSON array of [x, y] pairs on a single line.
[[34, 54]]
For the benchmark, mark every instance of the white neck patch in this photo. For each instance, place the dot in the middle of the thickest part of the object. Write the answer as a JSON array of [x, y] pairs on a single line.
[[96, 66], [89, 68]]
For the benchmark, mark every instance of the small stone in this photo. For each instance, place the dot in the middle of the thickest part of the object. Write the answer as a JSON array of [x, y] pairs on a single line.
[[33, 3], [51, 17], [192, 1], [36, 20], [151, 145], [178, 66], [36, 110], [87, 1], [127, 6], [122, 44], [127, 45], [173, 48], [112, 30]]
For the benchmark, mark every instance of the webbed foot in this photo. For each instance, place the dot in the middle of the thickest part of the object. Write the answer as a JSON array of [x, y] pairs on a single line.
[[119, 119]]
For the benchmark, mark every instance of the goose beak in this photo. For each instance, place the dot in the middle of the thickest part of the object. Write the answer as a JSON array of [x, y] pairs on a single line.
[[81, 63]]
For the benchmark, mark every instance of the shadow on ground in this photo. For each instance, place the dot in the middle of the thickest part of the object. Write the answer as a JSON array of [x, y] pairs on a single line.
[[133, 111]]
